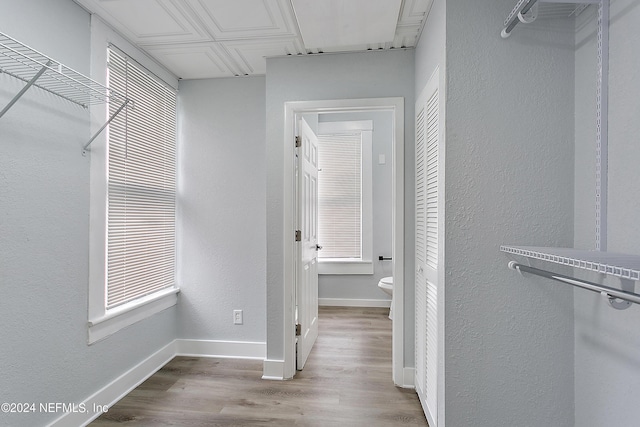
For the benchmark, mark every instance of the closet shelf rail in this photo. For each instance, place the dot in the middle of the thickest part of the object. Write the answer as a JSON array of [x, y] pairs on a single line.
[[611, 293], [38, 70], [521, 8], [619, 265], [525, 11], [613, 264]]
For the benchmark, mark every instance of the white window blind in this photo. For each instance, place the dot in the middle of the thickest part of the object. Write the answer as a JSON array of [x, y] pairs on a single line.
[[340, 196], [141, 185]]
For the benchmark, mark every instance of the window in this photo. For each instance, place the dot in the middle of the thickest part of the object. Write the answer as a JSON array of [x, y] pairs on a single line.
[[140, 174], [344, 197], [141, 186]]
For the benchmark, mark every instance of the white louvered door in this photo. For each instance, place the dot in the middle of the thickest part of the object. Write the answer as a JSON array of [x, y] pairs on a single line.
[[427, 247]]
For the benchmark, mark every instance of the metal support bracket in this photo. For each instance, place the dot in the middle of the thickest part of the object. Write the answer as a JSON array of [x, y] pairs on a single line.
[[24, 89], [36, 69], [617, 303], [602, 127], [113, 116]]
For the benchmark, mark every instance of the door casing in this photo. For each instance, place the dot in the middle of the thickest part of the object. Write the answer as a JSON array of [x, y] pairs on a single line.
[[292, 111]]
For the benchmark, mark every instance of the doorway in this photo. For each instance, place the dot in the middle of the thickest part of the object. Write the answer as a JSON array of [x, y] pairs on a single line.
[[295, 110]]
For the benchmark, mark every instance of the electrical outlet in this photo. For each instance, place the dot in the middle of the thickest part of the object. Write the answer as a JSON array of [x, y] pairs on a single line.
[[237, 317]]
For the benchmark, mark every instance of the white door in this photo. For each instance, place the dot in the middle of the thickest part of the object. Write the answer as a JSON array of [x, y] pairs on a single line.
[[307, 247], [428, 236]]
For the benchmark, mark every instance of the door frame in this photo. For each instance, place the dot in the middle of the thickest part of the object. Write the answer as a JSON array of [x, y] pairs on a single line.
[[292, 109]]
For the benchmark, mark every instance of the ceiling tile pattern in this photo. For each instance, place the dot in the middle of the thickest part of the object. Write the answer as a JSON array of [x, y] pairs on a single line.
[[197, 39]]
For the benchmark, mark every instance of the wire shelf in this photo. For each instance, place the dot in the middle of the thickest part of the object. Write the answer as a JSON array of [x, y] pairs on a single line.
[[529, 11], [36, 69], [620, 265], [24, 63]]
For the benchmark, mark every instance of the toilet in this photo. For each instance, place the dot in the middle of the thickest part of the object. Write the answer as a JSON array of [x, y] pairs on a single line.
[[386, 284]]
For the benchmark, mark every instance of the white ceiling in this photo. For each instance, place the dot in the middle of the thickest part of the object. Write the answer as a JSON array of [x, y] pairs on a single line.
[[198, 39]]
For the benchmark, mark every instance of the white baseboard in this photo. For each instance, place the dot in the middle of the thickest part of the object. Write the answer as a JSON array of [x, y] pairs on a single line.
[[231, 349], [408, 378], [273, 370], [352, 302], [108, 395], [90, 408], [423, 402]]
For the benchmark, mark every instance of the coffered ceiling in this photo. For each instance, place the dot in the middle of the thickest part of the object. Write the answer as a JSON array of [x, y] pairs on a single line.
[[198, 39]]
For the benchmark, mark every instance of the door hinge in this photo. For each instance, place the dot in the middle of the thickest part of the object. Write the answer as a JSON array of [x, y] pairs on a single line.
[[298, 329], [298, 141], [298, 235]]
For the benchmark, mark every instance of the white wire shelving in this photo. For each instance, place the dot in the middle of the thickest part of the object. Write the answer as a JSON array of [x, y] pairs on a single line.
[[623, 266], [528, 11], [610, 263], [40, 71], [619, 265]]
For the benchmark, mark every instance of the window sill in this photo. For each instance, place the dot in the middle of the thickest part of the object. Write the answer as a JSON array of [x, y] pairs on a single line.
[[333, 266], [128, 314]]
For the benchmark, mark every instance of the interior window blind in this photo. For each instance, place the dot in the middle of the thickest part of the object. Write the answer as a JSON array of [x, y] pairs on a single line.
[[340, 196], [141, 185]]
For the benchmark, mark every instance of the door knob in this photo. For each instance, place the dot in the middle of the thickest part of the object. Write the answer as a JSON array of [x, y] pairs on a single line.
[[318, 247]]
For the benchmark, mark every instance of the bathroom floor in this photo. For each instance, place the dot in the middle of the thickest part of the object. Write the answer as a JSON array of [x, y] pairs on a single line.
[[346, 382]]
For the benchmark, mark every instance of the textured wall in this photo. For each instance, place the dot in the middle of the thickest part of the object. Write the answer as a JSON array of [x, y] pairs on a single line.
[[607, 362], [44, 233], [365, 286], [509, 179], [221, 208], [316, 77]]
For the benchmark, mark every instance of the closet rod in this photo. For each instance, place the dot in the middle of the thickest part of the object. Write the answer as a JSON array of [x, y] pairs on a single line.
[[523, 6], [513, 19], [594, 287]]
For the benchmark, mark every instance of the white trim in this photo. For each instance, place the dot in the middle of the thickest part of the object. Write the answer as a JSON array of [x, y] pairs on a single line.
[[128, 314], [397, 251], [273, 370], [409, 378], [349, 302], [222, 349], [328, 128], [111, 393], [395, 105], [118, 388], [102, 322], [342, 266], [421, 397]]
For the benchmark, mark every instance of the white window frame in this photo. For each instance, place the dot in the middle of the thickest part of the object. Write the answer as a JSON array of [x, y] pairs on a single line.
[[365, 264], [103, 322]]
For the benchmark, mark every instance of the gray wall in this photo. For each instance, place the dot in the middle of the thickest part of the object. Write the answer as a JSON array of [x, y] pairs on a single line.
[[607, 362], [221, 208], [509, 180], [44, 233], [358, 75], [365, 286], [430, 51]]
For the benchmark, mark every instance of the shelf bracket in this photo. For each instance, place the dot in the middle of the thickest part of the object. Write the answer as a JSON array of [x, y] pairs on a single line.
[[24, 89], [113, 116], [602, 127]]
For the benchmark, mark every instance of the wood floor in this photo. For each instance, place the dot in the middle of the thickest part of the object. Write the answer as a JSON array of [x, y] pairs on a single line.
[[346, 382]]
